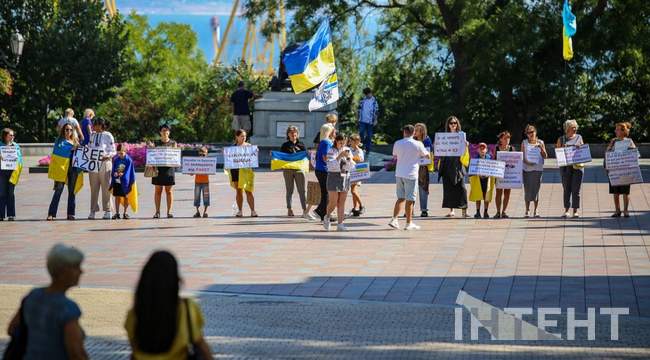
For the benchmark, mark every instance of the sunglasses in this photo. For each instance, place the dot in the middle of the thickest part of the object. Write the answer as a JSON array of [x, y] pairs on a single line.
[[453, 123]]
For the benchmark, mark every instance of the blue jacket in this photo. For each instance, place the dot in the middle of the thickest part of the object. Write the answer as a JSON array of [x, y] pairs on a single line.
[[374, 110]]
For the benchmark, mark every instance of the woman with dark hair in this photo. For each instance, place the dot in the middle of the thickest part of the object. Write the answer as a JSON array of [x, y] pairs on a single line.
[[243, 180], [165, 177], [9, 177], [452, 172], [100, 180], [503, 195], [291, 146], [339, 164], [158, 325], [423, 170]]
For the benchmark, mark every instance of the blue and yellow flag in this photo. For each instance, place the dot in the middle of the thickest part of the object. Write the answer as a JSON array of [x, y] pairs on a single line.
[[312, 62], [60, 162], [284, 161], [569, 28]]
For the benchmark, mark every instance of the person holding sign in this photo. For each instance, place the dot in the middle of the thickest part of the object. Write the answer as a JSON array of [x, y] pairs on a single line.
[[339, 164], [503, 195], [358, 157], [534, 154], [242, 180], [482, 187], [452, 170], [619, 144], [407, 152], [423, 171], [202, 187], [165, 177], [123, 183], [63, 173], [571, 174], [103, 142], [9, 177], [293, 145]]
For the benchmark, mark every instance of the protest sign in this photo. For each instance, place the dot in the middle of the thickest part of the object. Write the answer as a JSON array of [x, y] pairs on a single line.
[[534, 154], [513, 174], [240, 157], [88, 158], [312, 158], [621, 159], [425, 160], [449, 144], [625, 176], [199, 165], [485, 167], [164, 156], [9, 156], [572, 155], [360, 172]]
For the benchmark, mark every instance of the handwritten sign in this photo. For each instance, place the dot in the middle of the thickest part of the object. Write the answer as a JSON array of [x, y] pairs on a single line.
[[621, 159], [360, 172], [240, 157], [312, 158], [424, 160], [534, 154], [572, 155], [449, 144], [88, 158], [485, 167], [164, 156], [9, 156], [199, 165], [513, 174], [625, 176]]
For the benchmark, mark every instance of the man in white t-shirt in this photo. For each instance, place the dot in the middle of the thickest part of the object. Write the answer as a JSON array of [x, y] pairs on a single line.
[[408, 152]]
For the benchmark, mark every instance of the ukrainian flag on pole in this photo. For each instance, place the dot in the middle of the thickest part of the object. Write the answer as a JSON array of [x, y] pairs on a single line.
[[568, 30], [311, 63]]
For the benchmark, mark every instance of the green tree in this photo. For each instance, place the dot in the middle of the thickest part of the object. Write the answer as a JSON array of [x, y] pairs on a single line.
[[73, 57]]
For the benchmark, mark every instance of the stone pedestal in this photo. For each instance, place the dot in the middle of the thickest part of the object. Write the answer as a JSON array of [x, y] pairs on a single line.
[[275, 111]]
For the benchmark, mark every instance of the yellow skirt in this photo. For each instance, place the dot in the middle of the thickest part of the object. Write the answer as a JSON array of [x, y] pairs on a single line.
[[476, 193]]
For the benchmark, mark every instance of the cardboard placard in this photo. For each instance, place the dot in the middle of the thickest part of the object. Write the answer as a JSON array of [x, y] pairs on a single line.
[[203, 165], [486, 167], [513, 177], [164, 156], [88, 158], [621, 159], [360, 172], [449, 144], [572, 155], [534, 154], [625, 176], [240, 157], [9, 156]]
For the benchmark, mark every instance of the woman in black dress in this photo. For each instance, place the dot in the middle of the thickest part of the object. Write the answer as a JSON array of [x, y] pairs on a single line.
[[165, 178], [452, 173]]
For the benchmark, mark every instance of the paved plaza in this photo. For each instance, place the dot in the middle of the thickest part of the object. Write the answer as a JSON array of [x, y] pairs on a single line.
[[275, 285]]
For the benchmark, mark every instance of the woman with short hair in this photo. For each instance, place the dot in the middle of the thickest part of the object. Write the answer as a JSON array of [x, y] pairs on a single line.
[[291, 146], [533, 168], [9, 178], [161, 324], [50, 317], [571, 174], [621, 142], [503, 195], [452, 172], [243, 180]]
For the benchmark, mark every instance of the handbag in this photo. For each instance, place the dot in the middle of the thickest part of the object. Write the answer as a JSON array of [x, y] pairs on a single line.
[[18, 344], [150, 171], [192, 350], [313, 193]]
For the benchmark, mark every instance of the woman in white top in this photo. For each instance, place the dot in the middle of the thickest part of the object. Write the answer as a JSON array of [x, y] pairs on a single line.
[[571, 174], [339, 164], [621, 143], [358, 157], [101, 180], [534, 155]]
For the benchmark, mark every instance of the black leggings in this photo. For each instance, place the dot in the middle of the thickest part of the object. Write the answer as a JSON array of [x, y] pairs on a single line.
[[322, 182]]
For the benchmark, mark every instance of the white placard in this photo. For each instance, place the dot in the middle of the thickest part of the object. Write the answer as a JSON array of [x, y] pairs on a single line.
[[534, 154], [625, 176], [425, 160], [621, 159], [486, 167], [361, 172], [449, 144], [513, 174], [164, 156], [240, 157], [281, 128], [312, 158], [570, 155], [88, 158], [9, 156], [203, 165]]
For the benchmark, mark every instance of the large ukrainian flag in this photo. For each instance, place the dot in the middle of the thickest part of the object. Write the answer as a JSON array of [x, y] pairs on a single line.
[[296, 161], [569, 28], [60, 163], [311, 63]]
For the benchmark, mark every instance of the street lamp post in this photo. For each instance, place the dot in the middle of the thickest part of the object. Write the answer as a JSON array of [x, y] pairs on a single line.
[[17, 42]]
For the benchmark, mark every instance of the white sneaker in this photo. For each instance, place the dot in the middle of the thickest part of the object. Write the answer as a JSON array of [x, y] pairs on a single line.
[[341, 227], [412, 226], [308, 216], [107, 215], [326, 222], [91, 216], [394, 223]]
